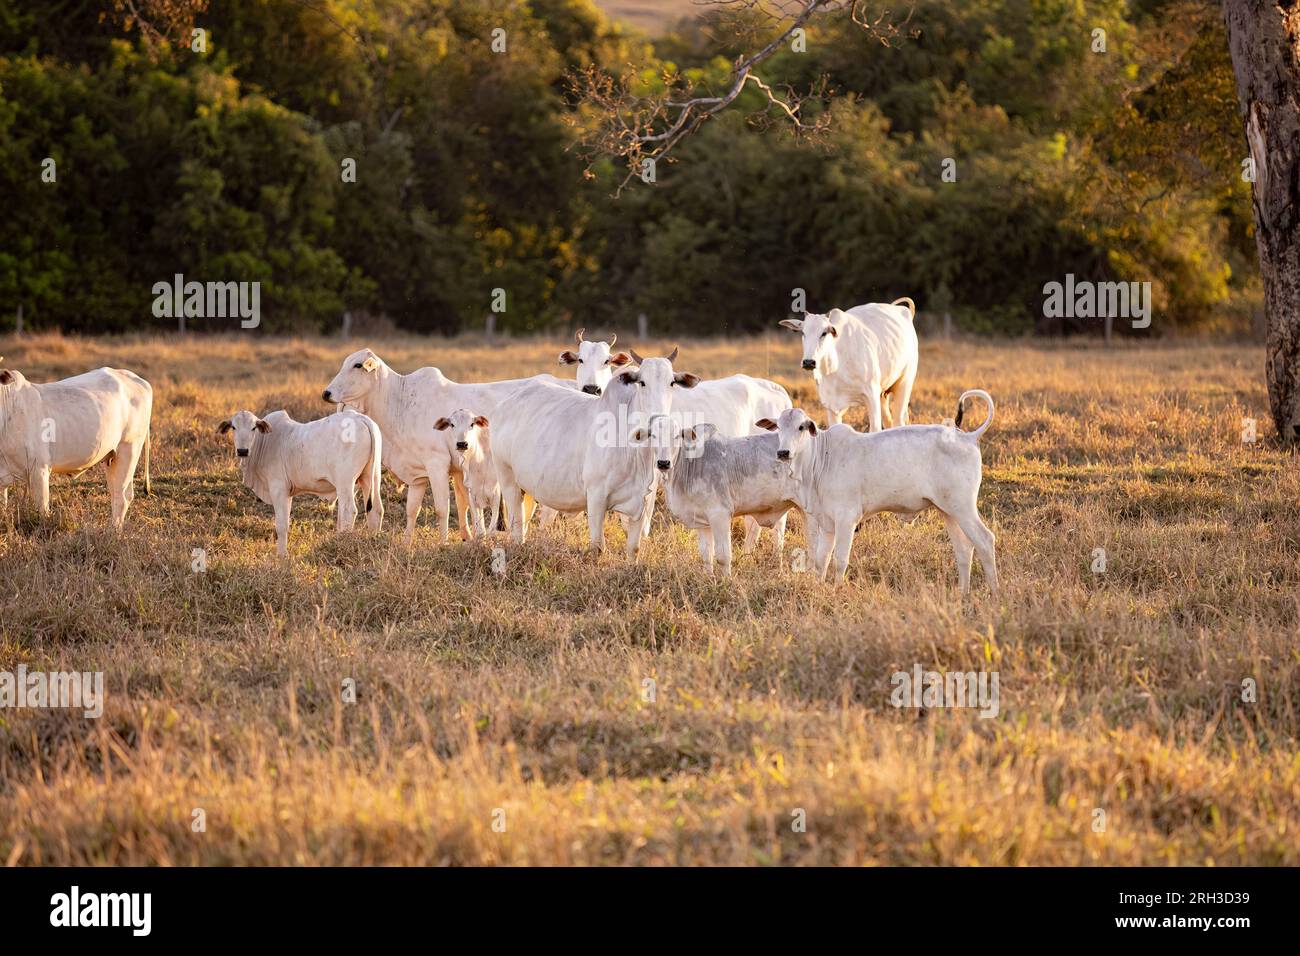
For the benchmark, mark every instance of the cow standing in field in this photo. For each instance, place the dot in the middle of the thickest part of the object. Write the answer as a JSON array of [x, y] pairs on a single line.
[[574, 452], [68, 426], [730, 404], [405, 408], [280, 458], [841, 475], [868, 353], [467, 444], [715, 478]]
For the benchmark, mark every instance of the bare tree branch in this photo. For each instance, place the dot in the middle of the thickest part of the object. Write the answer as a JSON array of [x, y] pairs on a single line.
[[641, 130]]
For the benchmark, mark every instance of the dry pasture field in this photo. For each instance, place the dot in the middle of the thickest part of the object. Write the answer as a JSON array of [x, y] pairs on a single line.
[[503, 719]]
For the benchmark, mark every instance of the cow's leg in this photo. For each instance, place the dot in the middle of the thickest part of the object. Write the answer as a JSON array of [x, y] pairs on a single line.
[[873, 407], [705, 536], [463, 505], [821, 538], [548, 515], [121, 479], [649, 513], [982, 538], [512, 498], [439, 485], [886, 415], [596, 507], [414, 497], [720, 527], [835, 416], [38, 485], [962, 550], [752, 532], [347, 506], [283, 507], [844, 528], [903, 389], [778, 534]]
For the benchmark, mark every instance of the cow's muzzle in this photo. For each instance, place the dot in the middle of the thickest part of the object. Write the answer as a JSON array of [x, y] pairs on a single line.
[[462, 446], [810, 364], [591, 389], [326, 395], [241, 452], [783, 454], [663, 464]]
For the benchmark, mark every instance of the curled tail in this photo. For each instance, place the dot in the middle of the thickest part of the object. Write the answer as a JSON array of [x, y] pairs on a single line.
[[961, 406], [904, 300]]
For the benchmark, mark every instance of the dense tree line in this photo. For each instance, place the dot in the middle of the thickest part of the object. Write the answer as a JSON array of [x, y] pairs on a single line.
[[228, 163]]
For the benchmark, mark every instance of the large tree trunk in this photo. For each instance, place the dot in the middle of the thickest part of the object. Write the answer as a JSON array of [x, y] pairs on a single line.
[[1264, 39]]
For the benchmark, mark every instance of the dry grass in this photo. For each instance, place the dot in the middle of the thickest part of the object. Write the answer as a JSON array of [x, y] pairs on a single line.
[[1119, 691]]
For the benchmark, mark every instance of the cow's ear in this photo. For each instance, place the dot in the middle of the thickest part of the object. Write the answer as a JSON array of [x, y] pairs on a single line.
[[6, 376], [370, 364], [442, 424], [766, 424], [686, 380], [568, 358], [619, 358], [224, 427], [689, 435], [833, 331], [480, 421], [262, 426], [795, 325], [638, 436], [812, 427], [629, 378]]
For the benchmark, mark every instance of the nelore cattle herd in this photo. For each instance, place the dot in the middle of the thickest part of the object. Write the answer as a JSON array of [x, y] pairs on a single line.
[[721, 449]]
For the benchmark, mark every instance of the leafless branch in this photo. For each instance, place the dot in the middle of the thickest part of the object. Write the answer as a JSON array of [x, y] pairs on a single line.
[[641, 130]]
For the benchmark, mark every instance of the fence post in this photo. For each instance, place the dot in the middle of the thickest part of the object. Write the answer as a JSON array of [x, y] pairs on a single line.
[[642, 326], [947, 325], [347, 324], [490, 325], [18, 321]]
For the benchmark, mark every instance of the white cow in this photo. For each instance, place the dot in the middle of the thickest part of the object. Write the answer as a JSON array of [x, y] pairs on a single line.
[[840, 475], [467, 442], [730, 404], [280, 458], [405, 408], [65, 427], [868, 353], [574, 452], [715, 478]]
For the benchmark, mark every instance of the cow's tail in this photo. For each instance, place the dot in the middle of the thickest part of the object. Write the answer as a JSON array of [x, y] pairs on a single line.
[[961, 406], [148, 482], [374, 465], [911, 306]]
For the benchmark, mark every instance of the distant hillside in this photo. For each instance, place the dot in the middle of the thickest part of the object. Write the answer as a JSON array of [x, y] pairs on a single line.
[[649, 15]]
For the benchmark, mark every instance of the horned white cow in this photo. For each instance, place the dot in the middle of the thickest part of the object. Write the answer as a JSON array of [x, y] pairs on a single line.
[[405, 408], [467, 442], [65, 427], [715, 478], [868, 353], [840, 475], [574, 452], [596, 362], [280, 458]]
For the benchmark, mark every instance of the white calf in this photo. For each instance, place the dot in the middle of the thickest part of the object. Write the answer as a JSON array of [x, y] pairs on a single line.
[[280, 458], [868, 353], [715, 478], [66, 427], [841, 475], [465, 438]]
